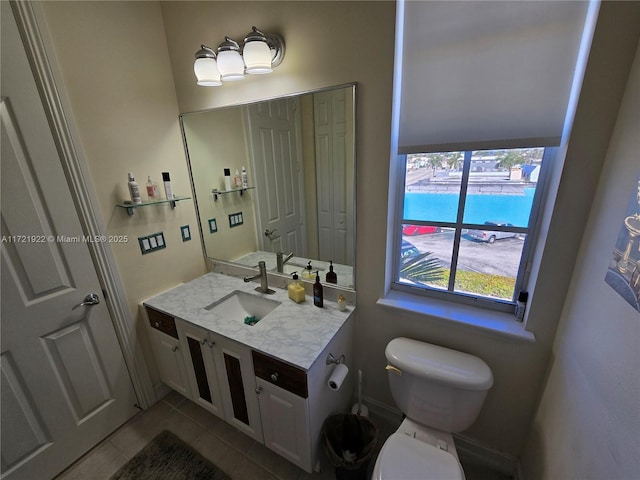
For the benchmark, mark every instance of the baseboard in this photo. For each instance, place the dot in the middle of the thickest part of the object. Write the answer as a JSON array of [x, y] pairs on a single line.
[[465, 446], [484, 455], [161, 391]]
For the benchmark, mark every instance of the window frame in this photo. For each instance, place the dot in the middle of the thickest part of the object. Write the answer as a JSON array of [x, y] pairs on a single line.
[[528, 249]]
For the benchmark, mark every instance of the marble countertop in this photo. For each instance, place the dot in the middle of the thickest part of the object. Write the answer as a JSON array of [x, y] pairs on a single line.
[[295, 333]]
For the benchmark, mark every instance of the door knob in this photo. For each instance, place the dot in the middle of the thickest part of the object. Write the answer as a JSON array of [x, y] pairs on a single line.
[[269, 233], [89, 300]]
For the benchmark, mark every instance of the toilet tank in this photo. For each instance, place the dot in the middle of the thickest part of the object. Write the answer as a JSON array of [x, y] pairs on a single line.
[[436, 386]]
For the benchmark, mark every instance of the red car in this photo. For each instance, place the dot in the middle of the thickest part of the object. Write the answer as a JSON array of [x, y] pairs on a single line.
[[419, 229]]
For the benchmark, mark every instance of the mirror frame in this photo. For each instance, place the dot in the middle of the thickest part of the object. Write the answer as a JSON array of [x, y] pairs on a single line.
[[234, 268]]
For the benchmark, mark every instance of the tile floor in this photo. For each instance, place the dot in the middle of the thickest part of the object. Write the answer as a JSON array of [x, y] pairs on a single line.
[[232, 451]]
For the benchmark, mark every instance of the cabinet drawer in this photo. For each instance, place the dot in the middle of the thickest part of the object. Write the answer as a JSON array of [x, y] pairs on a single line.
[[163, 322], [279, 373]]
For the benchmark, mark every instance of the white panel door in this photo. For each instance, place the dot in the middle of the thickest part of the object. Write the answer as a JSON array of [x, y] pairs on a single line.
[[64, 382], [334, 161], [273, 132]]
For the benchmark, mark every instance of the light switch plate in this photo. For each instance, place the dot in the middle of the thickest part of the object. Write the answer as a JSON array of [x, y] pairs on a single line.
[[151, 243], [235, 219]]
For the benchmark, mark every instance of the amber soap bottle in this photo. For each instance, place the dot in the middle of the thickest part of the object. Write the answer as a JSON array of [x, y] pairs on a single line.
[[318, 296]]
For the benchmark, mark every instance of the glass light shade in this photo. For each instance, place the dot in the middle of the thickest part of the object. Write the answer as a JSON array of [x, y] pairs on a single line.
[[207, 72], [257, 57], [230, 65]]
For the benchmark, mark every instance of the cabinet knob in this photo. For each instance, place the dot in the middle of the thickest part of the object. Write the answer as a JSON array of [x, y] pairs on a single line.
[[203, 341], [211, 344], [157, 324], [274, 377], [258, 390], [174, 348]]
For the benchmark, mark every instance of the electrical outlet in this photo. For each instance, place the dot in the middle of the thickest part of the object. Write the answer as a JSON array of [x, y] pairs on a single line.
[[185, 231], [213, 225]]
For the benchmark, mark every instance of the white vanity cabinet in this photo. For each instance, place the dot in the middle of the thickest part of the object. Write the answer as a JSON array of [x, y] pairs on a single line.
[[270, 380], [163, 336], [282, 394], [220, 375], [235, 371], [198, 350]]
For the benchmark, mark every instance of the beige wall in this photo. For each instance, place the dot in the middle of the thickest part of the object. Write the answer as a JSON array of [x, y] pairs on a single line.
[[328, 43], [117, 77], [588, 421]]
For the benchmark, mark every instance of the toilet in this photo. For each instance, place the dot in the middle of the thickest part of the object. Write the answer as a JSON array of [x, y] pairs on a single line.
[[441, 391]]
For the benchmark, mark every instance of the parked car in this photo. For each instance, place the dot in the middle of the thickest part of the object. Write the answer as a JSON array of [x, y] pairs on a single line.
[[490, 235], [408, 250], [419, 229]]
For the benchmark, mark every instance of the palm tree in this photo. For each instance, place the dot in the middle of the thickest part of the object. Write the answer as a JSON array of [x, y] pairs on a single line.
[[435, 160], [421, 269], [510, 159]]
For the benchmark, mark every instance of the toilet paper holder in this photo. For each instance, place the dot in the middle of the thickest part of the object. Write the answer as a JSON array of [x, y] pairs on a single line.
[[332, 359]]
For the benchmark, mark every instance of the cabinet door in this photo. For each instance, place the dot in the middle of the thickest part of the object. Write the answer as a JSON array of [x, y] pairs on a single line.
[[285, 423], [235, 369], [169, 361], [200, 361]]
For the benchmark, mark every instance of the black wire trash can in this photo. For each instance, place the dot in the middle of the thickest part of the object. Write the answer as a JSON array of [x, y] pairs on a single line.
[[349, 441]]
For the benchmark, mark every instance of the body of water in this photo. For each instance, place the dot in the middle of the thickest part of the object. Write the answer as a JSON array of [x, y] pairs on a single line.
[[479, 208]]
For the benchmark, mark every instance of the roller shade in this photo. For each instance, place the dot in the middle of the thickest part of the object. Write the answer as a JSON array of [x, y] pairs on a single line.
[[482, 74]]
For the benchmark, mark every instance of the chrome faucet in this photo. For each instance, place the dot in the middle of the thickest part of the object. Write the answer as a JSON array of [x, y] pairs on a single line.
[[281, 260], [262, 275]]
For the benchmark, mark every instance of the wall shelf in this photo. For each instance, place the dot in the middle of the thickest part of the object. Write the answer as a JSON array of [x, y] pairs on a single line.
[[217, 192], [131, 206]]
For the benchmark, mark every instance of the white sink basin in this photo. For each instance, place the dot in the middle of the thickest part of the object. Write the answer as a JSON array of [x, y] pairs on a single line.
[[240, 305]]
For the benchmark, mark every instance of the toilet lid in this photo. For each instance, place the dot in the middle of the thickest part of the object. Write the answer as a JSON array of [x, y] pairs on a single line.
[[405, 458]]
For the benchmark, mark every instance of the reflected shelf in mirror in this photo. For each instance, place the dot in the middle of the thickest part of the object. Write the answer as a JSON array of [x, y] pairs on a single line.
[[217, 192], [298, 264]]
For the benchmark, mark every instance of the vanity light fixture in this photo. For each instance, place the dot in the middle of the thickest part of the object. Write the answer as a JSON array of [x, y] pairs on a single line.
[[258, 54], [205, 67], [230, 61]]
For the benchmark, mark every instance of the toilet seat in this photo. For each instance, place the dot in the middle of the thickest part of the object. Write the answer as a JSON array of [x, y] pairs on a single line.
[[405, 458]]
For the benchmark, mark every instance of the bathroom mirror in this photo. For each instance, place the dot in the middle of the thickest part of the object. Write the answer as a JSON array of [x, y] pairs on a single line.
[[298, 195]]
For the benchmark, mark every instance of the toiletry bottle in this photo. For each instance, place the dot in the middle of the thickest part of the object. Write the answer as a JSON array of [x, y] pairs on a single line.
[[331, 277], [318, 296], [134, 190], [308, 272], [152, 190], [296, 290], [167, 185], [237, 181], [227, 179], [245, 179], [521, 305]]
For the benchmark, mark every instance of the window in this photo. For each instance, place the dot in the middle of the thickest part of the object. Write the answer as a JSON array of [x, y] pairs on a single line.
[[465, 223], [481, 94]]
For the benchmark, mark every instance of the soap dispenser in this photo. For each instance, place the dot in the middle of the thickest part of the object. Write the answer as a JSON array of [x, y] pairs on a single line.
[[296, 290], [308, 272], [318, 296], [331, 276]]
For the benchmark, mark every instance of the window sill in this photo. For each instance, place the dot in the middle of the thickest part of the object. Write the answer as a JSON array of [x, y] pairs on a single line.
[[488, 321]]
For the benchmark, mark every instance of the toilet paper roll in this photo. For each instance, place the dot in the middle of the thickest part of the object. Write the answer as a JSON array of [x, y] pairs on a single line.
[[337, 377]]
